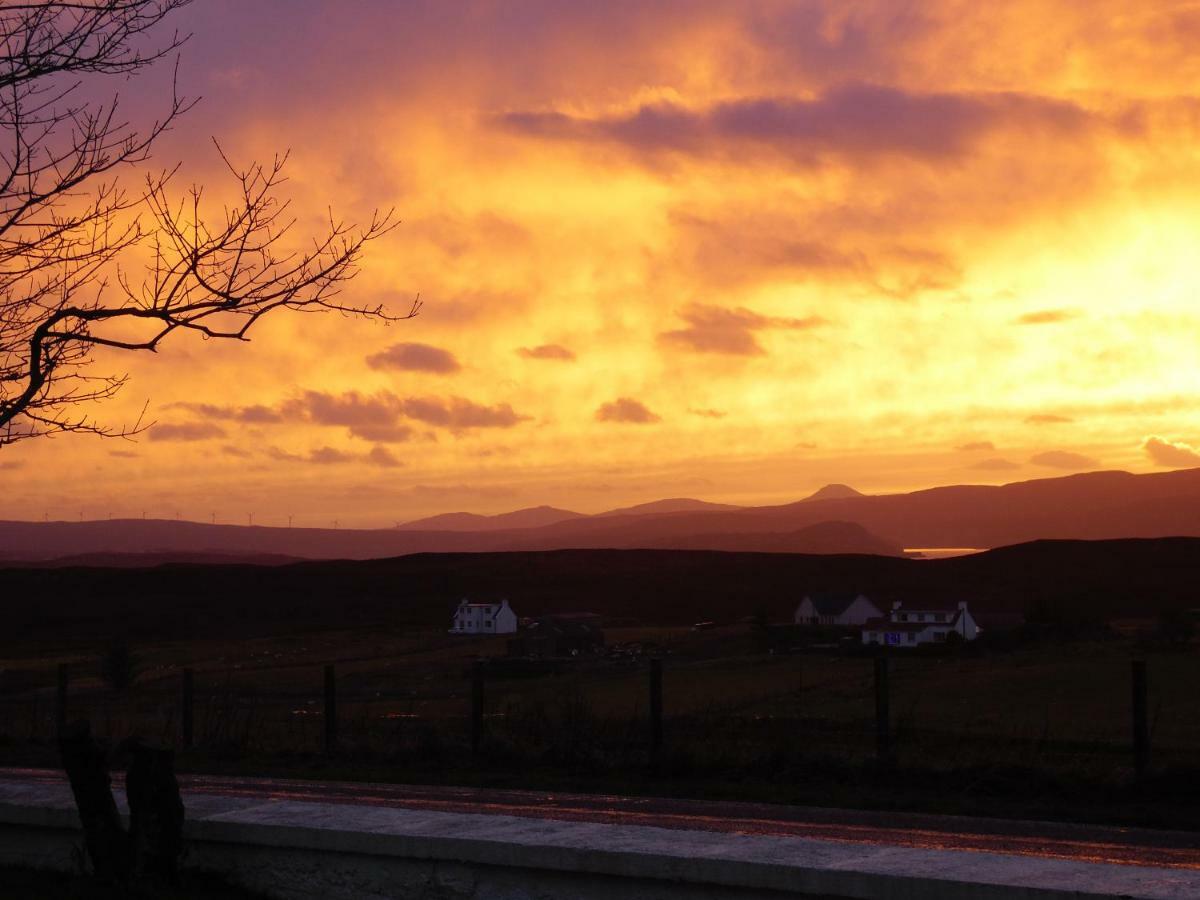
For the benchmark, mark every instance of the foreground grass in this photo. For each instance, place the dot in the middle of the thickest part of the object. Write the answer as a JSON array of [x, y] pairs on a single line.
[[41, 884]]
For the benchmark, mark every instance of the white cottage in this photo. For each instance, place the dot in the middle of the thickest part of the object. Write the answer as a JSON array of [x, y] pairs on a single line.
[[836, 608], [484, 618], [913, 627]]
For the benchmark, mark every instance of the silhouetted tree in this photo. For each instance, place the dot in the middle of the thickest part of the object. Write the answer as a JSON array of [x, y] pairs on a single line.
[[68, 224]]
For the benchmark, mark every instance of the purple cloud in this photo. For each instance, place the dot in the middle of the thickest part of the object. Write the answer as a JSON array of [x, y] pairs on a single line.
[[857, 121], [715, 329], [411, 357], [626, 409], [458, 413]]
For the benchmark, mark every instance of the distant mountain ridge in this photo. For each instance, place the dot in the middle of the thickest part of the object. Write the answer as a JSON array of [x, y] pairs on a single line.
[[532, 517], [1089, 506], [835, 492]]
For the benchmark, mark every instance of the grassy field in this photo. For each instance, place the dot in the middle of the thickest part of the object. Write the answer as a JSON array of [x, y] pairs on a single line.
[[1041, 726]]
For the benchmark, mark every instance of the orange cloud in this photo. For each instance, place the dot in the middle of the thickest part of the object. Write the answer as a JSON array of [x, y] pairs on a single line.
[[1174, 454], [1045, 317]]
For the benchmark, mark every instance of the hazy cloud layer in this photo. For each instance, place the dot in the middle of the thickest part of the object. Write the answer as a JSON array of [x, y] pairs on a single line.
[[626, 409], [1064, 459], [546, 351], [333, 456], [975, 445], [995, 464], [412, 357], [185, 431], [1175, 454], [1047, 419]]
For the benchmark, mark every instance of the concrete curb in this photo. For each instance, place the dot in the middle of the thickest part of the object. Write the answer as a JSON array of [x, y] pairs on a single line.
[[296, 849]]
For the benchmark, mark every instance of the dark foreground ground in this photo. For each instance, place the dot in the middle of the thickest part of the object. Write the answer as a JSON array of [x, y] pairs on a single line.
[[37, 884]]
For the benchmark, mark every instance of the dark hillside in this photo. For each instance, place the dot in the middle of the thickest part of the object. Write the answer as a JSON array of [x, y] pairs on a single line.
[[1067, 578]]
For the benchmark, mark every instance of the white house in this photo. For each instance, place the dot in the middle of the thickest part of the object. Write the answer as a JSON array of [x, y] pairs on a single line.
[[836, 608], [913, 627], [484, 618]]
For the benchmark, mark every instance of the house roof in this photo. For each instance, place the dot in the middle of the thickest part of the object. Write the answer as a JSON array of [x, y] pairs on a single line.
[[935, 606], [832, 603]]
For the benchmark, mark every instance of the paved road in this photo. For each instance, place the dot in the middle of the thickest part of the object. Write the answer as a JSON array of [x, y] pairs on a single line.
[[1083, 843]]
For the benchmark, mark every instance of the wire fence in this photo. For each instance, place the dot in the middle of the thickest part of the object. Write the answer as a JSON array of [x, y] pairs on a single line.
[[1085, 714]]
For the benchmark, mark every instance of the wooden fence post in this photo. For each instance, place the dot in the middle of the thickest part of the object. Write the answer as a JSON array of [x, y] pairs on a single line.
[[188, 709], [476, 707], [330, 711], [60, 701], [883, 730], [656, 710], [1141, 731]]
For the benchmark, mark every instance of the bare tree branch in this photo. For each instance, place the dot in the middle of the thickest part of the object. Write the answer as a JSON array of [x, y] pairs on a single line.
[[68, 226]]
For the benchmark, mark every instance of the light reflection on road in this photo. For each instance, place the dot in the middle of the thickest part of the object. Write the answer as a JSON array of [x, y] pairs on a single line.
[[1143, 847]]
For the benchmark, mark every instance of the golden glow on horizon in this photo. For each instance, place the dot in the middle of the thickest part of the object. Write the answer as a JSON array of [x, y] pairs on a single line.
[[762, 246]]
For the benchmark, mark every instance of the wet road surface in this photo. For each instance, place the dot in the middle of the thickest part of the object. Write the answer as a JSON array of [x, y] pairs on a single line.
[[1082, 843]]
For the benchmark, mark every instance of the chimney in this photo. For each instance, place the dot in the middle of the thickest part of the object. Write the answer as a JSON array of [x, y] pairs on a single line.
[[896, 604], [962, 604]]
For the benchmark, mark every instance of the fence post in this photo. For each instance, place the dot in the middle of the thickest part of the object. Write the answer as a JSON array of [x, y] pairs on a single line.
[[187, 712], [330, 711], [883, 731], [656, 710], [1141, 731], [476, 707], [60, 701]]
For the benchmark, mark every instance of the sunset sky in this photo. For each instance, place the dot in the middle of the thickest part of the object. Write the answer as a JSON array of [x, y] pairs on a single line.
[[728, 250]]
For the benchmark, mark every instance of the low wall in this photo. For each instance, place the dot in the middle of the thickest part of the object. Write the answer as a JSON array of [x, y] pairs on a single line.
[[303, 851]]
